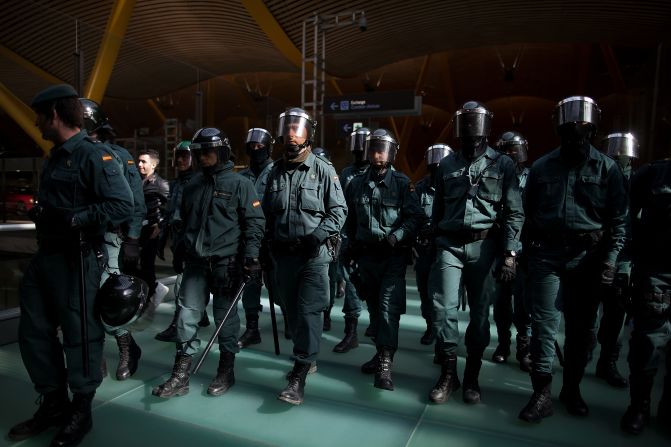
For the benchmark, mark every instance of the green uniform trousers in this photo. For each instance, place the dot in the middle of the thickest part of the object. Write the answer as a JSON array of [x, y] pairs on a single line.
[[422, 270], [472, 265], [50, 299], [302, 287], [221, 277]]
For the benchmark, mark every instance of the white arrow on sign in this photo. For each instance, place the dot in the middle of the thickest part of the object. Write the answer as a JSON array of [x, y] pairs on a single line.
[[347, 127], [334, 106]]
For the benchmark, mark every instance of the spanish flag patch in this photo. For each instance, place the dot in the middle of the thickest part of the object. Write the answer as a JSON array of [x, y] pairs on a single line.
[[256, 203], [107, 157], [131, 162]]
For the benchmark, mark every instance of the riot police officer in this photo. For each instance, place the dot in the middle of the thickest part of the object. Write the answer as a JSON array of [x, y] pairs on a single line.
[[82, 191], [183, 165], [651, 306], [352, 303], [575, 207], [221, 235], [423, 246], [623, 148], [121, 243], [305, 210], [258, 145], [381, 226], [477, 215], [509, 304]]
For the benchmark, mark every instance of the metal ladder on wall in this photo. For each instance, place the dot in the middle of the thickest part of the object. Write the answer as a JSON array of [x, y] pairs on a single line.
[[313, 78], [172, 136]]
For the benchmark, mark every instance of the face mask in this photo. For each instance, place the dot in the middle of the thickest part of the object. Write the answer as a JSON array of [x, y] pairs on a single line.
[[575, 141], [471, 147], [258, 156]]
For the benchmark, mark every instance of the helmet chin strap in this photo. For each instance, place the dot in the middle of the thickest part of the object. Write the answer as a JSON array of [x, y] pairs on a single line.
[[294, 150]]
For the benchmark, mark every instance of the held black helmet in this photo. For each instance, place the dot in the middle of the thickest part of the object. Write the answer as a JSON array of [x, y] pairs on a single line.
[[121, 300], [620, 145], [435, 153], [357, 139], [95, 119], [473, 119], [381, 140], [515, 145], [299, 122], [321, 152], [211, 139]]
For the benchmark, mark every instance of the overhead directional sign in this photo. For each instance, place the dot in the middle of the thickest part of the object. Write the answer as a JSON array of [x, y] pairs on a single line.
[[362, 105]]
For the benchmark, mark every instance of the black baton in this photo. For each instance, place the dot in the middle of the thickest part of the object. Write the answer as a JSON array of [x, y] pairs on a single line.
[[83, 308], [238, 294], [273, 320]]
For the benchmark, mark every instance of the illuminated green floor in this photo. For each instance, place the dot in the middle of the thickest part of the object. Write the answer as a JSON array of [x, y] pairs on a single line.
[[341, 406]]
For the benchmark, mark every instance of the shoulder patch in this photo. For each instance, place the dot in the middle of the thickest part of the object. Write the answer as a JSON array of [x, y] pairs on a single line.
[[107, 157], [130, 162], [335, 178], [256, 204]]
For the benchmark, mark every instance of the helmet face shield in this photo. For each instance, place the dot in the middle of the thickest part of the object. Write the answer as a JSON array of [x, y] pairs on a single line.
[[208, 140], [255, 136], [472, 120], [435, 153], [620, 145], [381, 142], [577, 109], [181, 154], [94, 117], [513, 144], [357, 139], [121, 300], [295, 122]]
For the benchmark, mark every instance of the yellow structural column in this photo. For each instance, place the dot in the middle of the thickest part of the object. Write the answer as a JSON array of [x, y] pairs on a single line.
[[109, 49], [23, 115]]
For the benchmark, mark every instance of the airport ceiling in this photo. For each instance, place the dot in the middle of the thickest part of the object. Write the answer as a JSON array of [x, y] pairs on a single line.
[[526, 52]]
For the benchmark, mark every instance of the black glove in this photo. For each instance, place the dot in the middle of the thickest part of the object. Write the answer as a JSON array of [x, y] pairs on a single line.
[[58, 218], [252, 268], [607, 274], [178, 258], [310, 245], [508, 269], [130, 252], [391, 240]]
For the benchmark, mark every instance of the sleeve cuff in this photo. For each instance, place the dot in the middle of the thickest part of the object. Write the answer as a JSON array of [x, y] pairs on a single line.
[[321, 234]]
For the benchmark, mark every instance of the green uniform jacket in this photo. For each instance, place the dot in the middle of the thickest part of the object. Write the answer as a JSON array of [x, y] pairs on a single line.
[[425, 193], [308, 201], [222, 215], [384, 208], [261, 181], [351, 171], [83, 175], [474, 196], [563, 201], [134, 224]]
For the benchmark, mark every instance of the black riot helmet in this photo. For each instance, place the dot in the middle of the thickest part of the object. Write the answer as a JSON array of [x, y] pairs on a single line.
[[381, 140], [620, 144], [121, 300], [577, 119], [515, 145], [210, 139], [95, 120], [473, 119], [357, 139], [435, 153], [297, 121], [321, 152], [258, 145]]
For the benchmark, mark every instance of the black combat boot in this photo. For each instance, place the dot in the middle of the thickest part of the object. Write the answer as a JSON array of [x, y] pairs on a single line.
[[429, 335], [540, 404], [638, 412], [225, 375], [606, 368], [522, 355], [103, 368], [327, 320], [501, 353], [54, 411], [293, 393], [204, 320], [178, 383], [170, 333], [371, 365], [664, 408], [129, 354], [251, 336], [79, 424], [447, 382], [571, 398], [471, 385], [383, 372], [351, 340]]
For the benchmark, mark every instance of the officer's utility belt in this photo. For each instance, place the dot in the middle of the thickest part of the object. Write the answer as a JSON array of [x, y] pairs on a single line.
[[212, 261], [576, 239], [382, 248], [70, 244], [466, 236], [290, 247]]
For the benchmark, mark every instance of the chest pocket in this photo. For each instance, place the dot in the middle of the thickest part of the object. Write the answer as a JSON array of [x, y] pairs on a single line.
[[309, 197], [491, 186], [64, 175], [277, 196], [550, 194], [391, 208], [591, 191], [223, 202], [455, 185]]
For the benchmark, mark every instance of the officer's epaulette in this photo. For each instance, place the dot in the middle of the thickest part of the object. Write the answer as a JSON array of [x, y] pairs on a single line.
[[399, 174], [90, 139], [328, 162]]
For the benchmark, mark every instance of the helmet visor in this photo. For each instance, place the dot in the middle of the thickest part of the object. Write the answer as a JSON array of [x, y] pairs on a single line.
[[620, 144], [298, 125], [473, 123], [436, 153], [577, 109]]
